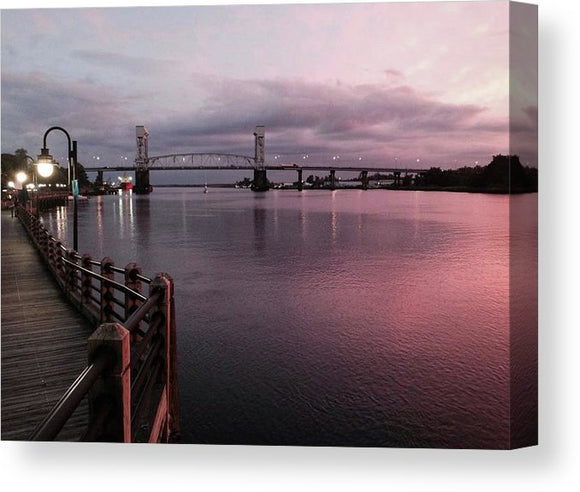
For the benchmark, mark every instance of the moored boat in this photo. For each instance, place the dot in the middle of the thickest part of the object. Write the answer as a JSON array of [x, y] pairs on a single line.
[[125, 182]]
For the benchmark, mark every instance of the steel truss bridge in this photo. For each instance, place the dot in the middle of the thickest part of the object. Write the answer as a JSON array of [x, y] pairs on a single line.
[[222, 161]]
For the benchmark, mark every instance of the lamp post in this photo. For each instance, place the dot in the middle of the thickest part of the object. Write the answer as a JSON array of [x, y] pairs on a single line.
[[21, 178], [34, 188], [46, 158], [44, 169]]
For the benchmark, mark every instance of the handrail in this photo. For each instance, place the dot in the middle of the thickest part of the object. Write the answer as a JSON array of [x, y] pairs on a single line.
[[139, 314], [137, 275], [143, 278], [132, 358], [139, 349], [61, 412], [107, 281], [68, 265]]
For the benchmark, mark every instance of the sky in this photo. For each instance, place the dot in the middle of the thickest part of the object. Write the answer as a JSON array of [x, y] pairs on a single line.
[[408, 84]]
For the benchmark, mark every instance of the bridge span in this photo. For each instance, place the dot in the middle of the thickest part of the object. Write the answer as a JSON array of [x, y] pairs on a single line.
[[215, 161]]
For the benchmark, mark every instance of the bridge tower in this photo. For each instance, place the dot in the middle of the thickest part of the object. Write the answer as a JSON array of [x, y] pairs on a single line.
[[333, 179], [260, 179], [142, 184], [364, 179], [99, 179]]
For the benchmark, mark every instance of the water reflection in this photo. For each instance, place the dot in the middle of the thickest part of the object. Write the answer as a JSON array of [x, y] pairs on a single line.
[[303, 215], [397, 336], [100, 230], [184, 215], [259, 229], [61, 218], [334, 225], [131, 215], [125, 216], [303, 224], [143, 217], [121, 216]]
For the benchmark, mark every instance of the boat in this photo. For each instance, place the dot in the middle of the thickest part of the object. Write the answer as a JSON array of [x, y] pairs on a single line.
[[125, 183]]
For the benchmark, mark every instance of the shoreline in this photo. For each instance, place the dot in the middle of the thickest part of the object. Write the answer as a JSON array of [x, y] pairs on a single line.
[[451, 189]]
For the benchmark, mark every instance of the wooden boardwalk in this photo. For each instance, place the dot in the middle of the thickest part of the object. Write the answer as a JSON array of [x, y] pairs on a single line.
[[43, 340]]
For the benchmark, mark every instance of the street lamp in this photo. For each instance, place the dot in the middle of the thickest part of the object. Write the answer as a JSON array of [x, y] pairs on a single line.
[[45, 159], [21, 178], [44, 169]]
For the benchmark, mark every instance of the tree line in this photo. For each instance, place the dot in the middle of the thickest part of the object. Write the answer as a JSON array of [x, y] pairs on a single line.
[[503, 174], [12, 164]]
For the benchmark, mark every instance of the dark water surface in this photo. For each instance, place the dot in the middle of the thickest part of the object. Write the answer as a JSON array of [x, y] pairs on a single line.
[[377, 318]]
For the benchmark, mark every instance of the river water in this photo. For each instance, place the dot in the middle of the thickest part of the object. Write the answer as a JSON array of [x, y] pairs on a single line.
[[346, 317]]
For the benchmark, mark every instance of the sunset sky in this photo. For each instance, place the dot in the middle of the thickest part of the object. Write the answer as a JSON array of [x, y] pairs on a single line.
[[425, 83]]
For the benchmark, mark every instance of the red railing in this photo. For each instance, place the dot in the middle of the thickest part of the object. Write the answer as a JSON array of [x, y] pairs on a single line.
[[131, 378]]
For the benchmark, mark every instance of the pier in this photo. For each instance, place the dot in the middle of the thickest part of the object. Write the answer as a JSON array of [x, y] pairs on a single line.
[[88, 348], [43, 339]]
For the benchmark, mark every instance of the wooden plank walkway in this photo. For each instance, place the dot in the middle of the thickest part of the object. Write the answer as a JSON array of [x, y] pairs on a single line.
[[43, 340]]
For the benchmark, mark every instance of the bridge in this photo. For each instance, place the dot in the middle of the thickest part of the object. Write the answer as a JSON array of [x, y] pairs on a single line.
[[216, 161], [99, 368]]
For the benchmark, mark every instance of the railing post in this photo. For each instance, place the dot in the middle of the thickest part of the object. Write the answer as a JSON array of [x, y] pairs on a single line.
[[34, 228], [44, 242], [132, 270], [72, 278], [38, 230], [86, 280], [107, 291], [58, 259], [50, 253], [114, 386], [168, 331], [21, 214]]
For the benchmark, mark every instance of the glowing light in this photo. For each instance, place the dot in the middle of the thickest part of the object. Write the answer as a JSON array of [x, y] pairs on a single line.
[[44, 169], [21, 177]]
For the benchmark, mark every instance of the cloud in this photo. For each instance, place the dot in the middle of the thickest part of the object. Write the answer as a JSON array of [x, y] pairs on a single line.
[[532, 113], [392, 73], [32, 102], [303, 116], [126, 63], [218, 114], [524, 135]]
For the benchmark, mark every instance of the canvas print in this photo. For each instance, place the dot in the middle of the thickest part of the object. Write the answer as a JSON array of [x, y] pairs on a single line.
[[274, 224]]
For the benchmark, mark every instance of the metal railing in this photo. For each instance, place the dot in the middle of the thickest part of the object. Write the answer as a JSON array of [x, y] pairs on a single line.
[[131, 376]]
